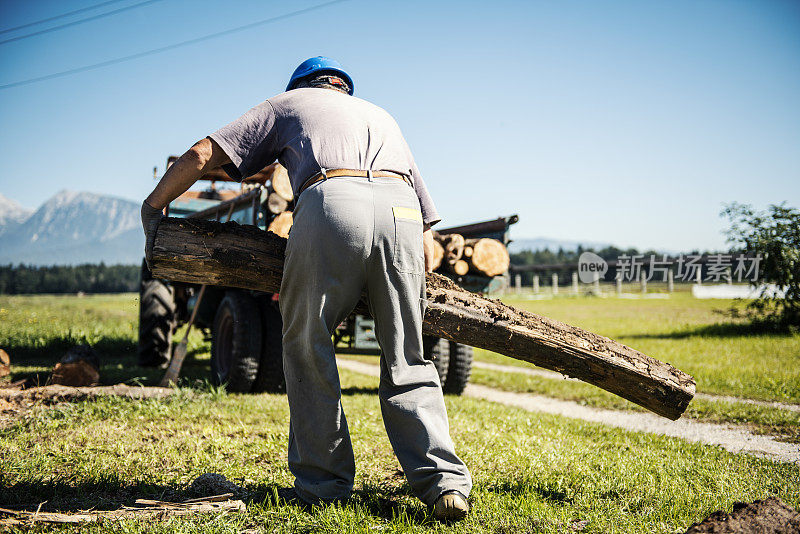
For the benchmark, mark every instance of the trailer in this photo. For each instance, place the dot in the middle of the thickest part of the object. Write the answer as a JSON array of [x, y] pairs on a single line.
[[245, 327]]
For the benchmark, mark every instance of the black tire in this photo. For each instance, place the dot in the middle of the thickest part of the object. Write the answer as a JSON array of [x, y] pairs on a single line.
[[270, 371], [459, 368], [156, 320], [236, 342], [438, 350]]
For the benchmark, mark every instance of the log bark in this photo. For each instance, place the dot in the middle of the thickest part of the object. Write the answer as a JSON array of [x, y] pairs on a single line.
[[207, 252], [488, 256]]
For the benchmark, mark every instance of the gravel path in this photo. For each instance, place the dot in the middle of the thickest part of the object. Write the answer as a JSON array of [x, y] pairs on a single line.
[[705, 396], [733, 439]]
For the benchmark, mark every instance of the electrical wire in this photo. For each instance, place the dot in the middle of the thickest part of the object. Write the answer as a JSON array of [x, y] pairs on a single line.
[[61, 16], [81, 21], [169, 47]]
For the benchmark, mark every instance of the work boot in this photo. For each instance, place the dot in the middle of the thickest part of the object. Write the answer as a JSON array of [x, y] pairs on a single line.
[[450, 506]]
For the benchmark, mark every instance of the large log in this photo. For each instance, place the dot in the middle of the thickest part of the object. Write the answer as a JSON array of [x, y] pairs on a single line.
[[488, 257], [207, 252]]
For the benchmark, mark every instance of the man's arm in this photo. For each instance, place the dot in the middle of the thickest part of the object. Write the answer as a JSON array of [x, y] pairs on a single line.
[[204, 155]]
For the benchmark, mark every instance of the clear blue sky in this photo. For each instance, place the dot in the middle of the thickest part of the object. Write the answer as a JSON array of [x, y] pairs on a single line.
[[630, 122]]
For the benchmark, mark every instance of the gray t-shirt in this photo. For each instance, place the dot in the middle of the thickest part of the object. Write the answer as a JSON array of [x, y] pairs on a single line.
[[310, 128]]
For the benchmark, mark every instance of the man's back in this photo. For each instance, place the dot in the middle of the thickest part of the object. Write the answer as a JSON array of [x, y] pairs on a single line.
[[308, 129]]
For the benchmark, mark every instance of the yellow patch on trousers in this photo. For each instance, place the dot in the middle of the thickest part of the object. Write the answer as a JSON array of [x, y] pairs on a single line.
[[407, 213]]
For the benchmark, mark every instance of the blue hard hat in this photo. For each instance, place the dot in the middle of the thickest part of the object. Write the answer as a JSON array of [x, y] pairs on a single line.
[[319, 64]]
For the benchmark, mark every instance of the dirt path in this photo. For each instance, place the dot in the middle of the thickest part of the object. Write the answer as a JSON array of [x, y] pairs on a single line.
[[730, 438], [705, 396]]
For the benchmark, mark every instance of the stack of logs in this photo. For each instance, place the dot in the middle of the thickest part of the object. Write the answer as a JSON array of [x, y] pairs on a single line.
[[453, 254], [279, 200]]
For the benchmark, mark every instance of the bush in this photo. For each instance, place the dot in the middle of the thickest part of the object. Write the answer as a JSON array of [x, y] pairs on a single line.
[[775, 235]]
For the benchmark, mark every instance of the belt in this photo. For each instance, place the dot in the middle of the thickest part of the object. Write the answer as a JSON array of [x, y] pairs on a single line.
[[333, 173]]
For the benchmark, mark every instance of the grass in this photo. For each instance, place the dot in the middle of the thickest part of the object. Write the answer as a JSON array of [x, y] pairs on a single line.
[[532, 472]]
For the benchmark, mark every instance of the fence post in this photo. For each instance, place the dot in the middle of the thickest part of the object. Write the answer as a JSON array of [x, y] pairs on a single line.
[[518, 282], [575, 283], [535, 283], [699, 278], [597, 286], [643, 282], [619, 286], [555, 284], [670, 281], [729, 276]]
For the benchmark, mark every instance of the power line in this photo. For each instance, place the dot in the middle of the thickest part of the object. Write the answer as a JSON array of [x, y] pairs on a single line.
[[56, 17], [81, 21], [169, 47]]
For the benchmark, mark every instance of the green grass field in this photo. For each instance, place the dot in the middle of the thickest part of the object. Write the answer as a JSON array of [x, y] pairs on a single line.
[[532, 472]]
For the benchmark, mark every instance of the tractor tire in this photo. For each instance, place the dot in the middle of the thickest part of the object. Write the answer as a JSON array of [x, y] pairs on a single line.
[[157, 318], [438, 350], [236, 342], [270, 371], [459, 369]]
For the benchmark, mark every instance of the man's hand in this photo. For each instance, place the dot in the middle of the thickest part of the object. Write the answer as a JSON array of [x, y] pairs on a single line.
[[150, 218], [427, 246]]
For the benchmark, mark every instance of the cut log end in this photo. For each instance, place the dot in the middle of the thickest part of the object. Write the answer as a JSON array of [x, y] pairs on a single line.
[[281, 224]]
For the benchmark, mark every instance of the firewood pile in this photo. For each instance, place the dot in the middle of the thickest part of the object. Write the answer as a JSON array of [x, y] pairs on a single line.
[[279, 201], [457, 255], [453, 254]]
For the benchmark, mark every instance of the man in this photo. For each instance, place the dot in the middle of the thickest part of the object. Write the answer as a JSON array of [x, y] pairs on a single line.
[[361, 223]]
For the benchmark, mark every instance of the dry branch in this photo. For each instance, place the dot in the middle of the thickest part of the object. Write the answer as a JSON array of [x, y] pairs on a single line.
[[207, 252], [58, 393], [144, 509]]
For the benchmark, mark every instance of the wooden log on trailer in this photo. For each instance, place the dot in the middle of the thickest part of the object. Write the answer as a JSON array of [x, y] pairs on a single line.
[[208, 252]]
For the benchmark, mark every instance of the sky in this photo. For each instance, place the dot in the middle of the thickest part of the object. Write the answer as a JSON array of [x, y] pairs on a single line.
[[629, 122]]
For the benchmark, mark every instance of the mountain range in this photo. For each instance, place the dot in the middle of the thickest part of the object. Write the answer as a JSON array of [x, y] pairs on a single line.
[[71, 228], [79, 227]]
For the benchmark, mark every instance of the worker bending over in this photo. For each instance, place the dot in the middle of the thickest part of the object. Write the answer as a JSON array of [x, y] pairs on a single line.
[[361, 223]]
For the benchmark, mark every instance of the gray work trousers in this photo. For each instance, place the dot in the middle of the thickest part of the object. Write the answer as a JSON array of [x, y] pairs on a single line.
[[351, 234]]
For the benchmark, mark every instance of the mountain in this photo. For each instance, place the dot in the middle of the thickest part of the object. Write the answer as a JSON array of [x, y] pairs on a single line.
[[11, 214], [73, 228]]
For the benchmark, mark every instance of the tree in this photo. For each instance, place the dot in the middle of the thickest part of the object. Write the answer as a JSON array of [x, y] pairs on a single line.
[[775, 236]]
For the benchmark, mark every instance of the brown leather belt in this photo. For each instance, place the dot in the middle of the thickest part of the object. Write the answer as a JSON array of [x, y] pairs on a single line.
[[333, 173]]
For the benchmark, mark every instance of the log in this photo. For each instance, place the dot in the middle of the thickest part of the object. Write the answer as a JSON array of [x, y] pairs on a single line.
[[489, 257], [453, 245], [438, 254], [459, 267], [280, 183], [208, 252], [5, 363], [281, 224], [467, 252], [80, 366], [276, 204]]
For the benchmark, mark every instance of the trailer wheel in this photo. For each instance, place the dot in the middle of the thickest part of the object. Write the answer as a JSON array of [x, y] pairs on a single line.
[[156, 320], [438, 350], [270, 371], [236, 342], [459, 368]]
